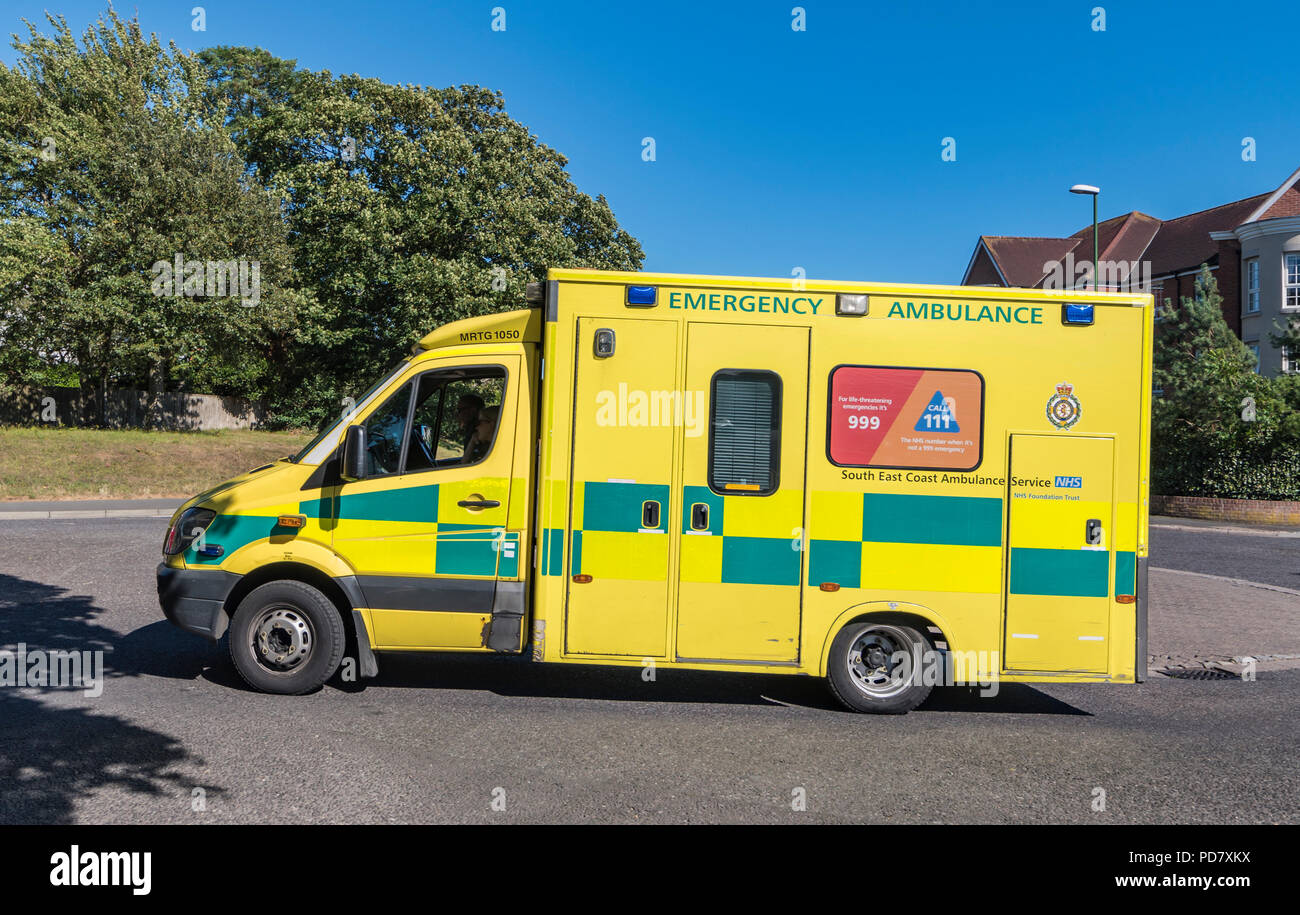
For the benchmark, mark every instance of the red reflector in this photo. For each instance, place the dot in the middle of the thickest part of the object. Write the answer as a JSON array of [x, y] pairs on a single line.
[[1126, 598], [830, 586], [582, 579]]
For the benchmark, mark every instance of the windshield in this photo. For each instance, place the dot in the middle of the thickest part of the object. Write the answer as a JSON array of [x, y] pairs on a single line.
[[331, 426]]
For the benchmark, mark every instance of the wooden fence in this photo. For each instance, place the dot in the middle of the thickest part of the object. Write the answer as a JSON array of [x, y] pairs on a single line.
[[127, 409]]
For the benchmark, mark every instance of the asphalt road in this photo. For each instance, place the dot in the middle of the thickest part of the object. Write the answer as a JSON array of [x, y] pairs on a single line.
[[1269, 557], [437, 739]]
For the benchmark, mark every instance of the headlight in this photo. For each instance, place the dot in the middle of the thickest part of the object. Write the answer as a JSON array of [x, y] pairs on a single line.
[[189, 525]]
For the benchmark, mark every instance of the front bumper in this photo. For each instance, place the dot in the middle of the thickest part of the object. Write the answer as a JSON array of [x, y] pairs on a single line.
[[194, 599]]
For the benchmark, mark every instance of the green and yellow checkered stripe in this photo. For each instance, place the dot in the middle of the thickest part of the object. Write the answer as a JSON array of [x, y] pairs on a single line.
[[608, 538], [459, 549], [875, 540], [1046, 558], [750, 538], [906, 542], [745, 544], [950, 543]]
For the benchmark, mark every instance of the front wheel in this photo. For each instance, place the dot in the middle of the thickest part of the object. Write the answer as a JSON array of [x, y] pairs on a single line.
[[877, 667], [286, 637]]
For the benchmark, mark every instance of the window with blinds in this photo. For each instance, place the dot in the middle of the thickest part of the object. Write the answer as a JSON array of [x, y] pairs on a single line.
[[744, 432]]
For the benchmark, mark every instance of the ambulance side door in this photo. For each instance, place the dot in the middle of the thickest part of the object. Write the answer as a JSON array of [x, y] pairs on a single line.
[[426, 530], [742, 499]]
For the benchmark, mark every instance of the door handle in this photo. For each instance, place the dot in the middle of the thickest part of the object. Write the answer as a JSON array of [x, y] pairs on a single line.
[[1092, 532], [479, 503], [650, 515], [700, 516]]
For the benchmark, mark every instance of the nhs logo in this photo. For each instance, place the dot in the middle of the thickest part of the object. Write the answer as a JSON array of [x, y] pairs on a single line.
[[1069, 482]]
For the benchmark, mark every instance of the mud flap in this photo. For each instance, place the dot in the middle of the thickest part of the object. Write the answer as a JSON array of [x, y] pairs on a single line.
[[508, 609], [367, 665]]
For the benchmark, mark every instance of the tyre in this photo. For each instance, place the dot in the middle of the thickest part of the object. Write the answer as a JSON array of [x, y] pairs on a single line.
[[866, 674], [286, 637]]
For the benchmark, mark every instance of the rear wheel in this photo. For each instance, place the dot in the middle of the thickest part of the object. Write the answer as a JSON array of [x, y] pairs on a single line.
[[286, 637], [867, 673]]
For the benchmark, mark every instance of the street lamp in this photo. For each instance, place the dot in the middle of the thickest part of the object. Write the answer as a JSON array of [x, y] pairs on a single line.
[[1094, 192]]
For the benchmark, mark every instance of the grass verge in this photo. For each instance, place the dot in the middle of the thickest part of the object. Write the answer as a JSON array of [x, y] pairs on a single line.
[[54, 463]]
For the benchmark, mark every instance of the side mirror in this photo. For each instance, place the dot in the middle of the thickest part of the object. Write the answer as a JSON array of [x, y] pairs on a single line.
[[352, 463]]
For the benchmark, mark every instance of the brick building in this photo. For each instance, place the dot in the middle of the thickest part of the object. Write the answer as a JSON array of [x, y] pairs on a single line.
[[1251, 245]]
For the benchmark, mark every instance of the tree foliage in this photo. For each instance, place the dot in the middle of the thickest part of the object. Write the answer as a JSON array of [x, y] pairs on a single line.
[[375, 212], [409, 207], [1207, 384], [113, 158]]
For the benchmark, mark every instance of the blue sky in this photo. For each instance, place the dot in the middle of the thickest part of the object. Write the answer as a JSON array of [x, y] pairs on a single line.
[[821, 149]]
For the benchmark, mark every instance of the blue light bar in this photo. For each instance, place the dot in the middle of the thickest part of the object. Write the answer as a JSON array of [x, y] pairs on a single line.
[[643, 296], [1076, 314]]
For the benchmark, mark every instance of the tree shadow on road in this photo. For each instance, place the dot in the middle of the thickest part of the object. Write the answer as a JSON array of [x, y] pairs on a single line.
[[54, 754]]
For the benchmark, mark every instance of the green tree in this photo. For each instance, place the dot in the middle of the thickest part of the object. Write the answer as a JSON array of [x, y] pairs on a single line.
[[408, 207], [1204, 372], [113, 159], [1202, 442]]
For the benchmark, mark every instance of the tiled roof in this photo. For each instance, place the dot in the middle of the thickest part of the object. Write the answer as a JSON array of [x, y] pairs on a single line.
[[1171, 246], [1021, 259], [1184, 243]]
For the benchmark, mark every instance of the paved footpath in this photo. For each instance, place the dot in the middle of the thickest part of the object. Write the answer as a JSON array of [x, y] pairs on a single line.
[[1200, 620], [1169, 522]]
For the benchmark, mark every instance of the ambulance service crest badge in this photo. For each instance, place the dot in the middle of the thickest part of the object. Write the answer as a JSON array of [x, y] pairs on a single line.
[[1063, 406]]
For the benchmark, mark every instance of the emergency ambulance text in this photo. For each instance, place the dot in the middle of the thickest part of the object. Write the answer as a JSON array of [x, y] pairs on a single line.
[[763, 304], [940, 311]]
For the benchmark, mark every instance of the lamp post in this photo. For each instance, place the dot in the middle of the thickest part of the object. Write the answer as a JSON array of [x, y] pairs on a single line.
[[1093, 192]]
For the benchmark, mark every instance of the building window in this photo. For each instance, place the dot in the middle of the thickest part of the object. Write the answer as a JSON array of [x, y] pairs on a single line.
[[1290, 364], [1252, 285], [745, 432], [1292, 298], [1254, 348]]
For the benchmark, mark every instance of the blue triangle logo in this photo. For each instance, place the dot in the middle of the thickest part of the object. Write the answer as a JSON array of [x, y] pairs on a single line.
[[937, 416]]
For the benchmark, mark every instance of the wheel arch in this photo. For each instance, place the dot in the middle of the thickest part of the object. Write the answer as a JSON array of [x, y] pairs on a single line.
[[296, 571], [916, 615]]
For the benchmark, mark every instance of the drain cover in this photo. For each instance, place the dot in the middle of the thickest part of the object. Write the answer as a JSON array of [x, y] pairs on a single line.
[[1198, 673]]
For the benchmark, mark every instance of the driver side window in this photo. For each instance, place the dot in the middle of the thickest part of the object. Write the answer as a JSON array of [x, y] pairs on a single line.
[[455, 418], [385, 432]]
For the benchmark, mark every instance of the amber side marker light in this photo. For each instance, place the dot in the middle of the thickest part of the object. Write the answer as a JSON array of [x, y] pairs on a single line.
[[291, 521], [1126, 598], [830, 586], [582, 579]]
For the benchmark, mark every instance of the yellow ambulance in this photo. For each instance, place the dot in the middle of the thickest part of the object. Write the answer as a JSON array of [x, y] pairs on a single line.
[[855, 481]]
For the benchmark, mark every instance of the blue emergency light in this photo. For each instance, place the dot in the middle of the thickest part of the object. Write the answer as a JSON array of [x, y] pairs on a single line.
[[643, 296], [1076, 314]]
